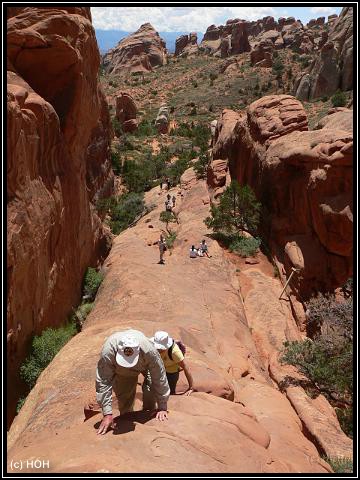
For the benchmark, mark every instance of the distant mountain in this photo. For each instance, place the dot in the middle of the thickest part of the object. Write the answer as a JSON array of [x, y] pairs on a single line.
[[109, 38]]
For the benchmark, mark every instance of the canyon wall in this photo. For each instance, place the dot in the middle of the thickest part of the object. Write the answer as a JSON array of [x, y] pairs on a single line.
[[303, 179], [58, 166]]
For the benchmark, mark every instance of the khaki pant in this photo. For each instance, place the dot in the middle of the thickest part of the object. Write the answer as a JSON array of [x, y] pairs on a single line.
[[125, 390]]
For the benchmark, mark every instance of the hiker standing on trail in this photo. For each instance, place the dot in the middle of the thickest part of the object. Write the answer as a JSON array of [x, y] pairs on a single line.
[[172, 354], [193, 252], [162, 248], [203, 248], [123, 356]]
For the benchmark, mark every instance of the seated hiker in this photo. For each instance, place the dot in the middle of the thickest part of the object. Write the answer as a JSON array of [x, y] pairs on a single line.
[[162, 248], [124, 355], [193, 252], [204, 249], [172, 354]]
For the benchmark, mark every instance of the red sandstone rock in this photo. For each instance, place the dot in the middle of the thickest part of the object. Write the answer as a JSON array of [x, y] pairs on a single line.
[[58, 166], [186, 44], [260, 431], [305, 180], [333, 67], [139, 52], [126, 111]]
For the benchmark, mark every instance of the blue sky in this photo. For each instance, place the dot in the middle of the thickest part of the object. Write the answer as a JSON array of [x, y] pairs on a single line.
[[183, 19]]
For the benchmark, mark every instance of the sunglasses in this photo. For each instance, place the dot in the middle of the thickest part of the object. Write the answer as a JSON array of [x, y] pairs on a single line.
[[128, 351]]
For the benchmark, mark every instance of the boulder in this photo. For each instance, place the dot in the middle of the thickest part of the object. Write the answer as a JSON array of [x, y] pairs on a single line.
[[139, 52], [303, 88], [162, 121], [341, 119], [126, 111], [58, 161], [262, 51]]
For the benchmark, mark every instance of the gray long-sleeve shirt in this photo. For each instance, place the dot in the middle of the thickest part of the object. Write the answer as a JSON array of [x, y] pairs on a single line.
[[149, 360]]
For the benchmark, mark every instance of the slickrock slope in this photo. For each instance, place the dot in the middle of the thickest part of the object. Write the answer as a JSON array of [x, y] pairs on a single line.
[[303, 179], [333, 68], [58, 166], [139, 52], [252, 428]]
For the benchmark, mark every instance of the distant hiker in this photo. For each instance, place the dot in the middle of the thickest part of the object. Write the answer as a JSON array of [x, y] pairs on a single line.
[[193, 252], [168, 205], [124, 355], [173, 200], [162, 248], [161, 184], [172, 354], [168, 183], [203, 248]]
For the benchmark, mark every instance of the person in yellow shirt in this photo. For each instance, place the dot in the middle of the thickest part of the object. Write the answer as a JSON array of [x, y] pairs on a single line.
[[174, 361]]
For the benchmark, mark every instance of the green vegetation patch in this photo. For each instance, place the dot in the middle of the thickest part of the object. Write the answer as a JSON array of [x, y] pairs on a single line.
[[44, 349]]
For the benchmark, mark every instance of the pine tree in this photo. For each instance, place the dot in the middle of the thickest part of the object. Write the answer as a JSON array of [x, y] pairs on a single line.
[[237, 211]]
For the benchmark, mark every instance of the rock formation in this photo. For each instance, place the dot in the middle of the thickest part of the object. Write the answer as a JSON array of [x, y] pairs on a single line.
[[162, 121], [126, 111], [229, 39], [333, 68], [304, 181], [58, 167], [186, 44], [260, 430], [139, 52]]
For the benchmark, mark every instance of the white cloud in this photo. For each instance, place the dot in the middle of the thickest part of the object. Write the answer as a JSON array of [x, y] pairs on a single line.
[[172, 19], [324, 10]]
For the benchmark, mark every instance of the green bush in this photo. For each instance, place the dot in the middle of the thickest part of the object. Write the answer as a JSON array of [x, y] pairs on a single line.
[[340, 465], [338, 99], [325, 98], [278, 66], [176, 169], [80, 314], [116, 126], [170, 239], [44, 349], [245, 246], [20, 404], [92, 282], [238, 210], [116, 162], [125, 210], [327, 360], [201, 166], [145, 129], [213, 76], [167, 217]]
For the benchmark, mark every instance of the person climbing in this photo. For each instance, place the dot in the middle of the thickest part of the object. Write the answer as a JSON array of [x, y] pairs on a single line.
[[203, 248], [162, 248], [174, 362], [173, 201], [124, 355], [193, 252]]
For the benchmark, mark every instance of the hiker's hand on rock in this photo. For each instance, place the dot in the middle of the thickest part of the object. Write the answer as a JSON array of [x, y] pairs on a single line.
[[161, 415], [106, 423]]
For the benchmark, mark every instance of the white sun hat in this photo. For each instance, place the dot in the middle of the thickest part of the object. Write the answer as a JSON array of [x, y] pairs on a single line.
[[161, 340], [128, 351]]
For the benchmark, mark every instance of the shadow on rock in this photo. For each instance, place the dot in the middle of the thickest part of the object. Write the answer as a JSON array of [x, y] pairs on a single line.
[[127, 422]]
